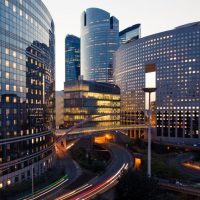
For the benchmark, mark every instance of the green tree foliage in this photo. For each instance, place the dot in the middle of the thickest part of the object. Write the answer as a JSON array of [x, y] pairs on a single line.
[[134, 185]]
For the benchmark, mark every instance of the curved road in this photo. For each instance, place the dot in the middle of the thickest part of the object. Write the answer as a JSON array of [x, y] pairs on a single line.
[[121, 159], [192, 173]]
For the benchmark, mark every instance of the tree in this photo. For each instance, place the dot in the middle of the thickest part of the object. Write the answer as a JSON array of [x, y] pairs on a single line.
[[134, 185]]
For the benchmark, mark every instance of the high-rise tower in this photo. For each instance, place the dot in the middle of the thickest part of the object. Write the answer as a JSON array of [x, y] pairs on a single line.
[[129, 34], [27, 90], [99, 40], [72, 57]]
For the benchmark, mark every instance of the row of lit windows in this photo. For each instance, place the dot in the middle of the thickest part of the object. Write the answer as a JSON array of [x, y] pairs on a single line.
[[27, 17], [42, 168]]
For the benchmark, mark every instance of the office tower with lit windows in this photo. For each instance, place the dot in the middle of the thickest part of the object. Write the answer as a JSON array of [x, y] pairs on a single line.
[[174, 56], [72, 57], [59, 108], [99, 40], [86, 99], [129, 34], [27, 90]]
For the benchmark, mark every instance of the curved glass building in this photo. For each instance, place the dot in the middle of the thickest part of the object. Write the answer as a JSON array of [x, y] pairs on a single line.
[[27, 90], [99, 40], [72, 58], [175, 57]]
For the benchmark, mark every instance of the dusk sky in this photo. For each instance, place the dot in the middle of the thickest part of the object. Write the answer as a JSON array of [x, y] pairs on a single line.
[[154, 16]]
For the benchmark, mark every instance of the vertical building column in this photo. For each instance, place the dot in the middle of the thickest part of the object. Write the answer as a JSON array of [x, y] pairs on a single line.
[[199, 125], [191, 125], [168, 123], [183, 123], [176, 125], [162, 125]]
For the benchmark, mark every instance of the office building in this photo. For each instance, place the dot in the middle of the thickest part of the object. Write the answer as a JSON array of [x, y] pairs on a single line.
[[27, 85], [59, 109], [87, 99], [129, 34], [99, 40], [72, 58], [174, 57]]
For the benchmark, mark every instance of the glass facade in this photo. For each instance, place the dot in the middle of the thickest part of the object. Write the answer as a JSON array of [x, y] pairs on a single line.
[[85, 99], [72, 58], [27, 89], [99, 40], [176, 56], [130, 33]]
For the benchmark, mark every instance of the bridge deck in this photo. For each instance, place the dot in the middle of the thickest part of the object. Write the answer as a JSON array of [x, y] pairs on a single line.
[[97, 129]]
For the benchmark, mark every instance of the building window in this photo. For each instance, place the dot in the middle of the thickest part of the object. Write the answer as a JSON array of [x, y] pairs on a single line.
[[7, 63], [8, 182], [7, 87], [7, 99], [6, 3], [7, 75]]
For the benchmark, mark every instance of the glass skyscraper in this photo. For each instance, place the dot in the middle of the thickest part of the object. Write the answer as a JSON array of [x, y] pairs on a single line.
[[175, 57], [27, 90], [130, 33], [99, 40], [72, 58]]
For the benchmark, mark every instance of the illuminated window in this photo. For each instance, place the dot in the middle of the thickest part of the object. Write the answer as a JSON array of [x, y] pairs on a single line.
[[15, 99], [14, 65], [21, 89], [14, 88], [14, 54], [14, 8], [7, 51], [20, 12], [7, 63], [1, 185], [7, 87], [7, 75], [8, 182], [7, 99], [6, 3]]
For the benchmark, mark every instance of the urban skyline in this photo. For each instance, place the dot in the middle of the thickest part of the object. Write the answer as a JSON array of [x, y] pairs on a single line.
[[124, 125], [154, 17]]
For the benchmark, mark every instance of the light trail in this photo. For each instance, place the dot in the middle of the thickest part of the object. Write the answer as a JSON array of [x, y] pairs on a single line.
[[74, 192], [100, 187], [71, 145], [45, 190]]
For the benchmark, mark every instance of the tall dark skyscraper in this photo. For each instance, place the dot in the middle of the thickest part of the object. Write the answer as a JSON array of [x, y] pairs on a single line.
[[72, 57], [27, 90], [99, 40]]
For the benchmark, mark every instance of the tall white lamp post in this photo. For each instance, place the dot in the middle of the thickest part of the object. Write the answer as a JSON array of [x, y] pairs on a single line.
[[149, 90]]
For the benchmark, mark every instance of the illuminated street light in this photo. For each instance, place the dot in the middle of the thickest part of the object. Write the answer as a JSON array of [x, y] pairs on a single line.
[[149, 90]]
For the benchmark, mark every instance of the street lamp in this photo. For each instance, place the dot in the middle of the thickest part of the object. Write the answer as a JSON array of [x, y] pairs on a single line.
[[149, 90]]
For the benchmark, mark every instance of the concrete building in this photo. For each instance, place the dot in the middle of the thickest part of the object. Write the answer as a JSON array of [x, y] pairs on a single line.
[[174, 57]]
